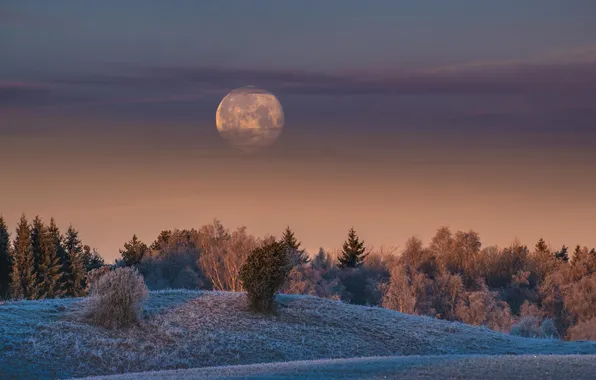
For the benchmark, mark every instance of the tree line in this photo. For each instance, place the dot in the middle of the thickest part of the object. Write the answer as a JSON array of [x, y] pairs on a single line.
[[41, 262], [536, 291], [511, 289]]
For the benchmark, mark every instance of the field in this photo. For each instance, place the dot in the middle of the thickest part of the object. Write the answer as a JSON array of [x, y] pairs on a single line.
[[188, 329]]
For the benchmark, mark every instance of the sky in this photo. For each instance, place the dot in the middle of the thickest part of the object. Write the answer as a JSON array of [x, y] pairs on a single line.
[[400, 117]]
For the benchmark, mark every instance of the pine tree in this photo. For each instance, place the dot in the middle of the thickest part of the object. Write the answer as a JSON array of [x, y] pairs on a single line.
[[24, 282], [36, 236], [133, 251], [49, 272], [562, 254], [91, 259], [297, 255], [5, 262], [353, 252], [58, 241], [74, 268], [541, 246], [289, 239], [162, 241]]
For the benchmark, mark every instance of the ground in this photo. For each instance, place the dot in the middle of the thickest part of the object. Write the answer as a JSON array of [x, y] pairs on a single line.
[[188, 329], [460, 367]]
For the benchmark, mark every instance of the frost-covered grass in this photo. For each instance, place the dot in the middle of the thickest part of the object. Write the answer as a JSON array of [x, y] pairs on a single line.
[[446, 367], [184, 329]]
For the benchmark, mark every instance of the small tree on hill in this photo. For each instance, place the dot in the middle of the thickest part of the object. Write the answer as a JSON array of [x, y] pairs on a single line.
[[133, 251], [4, 259], [353, 252], [266, 269], [297, 256]]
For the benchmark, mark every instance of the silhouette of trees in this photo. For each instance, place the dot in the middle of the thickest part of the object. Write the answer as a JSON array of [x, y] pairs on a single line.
[[353, 252], [532, 292], [133, 252]]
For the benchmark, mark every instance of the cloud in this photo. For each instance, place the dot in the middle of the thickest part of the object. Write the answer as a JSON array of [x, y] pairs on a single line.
[[554, 77], [14, 93], [502, 78], [28, 94]]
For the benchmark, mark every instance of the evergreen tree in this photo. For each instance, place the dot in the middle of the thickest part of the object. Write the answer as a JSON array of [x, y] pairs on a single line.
[[133, 251], [353, 252], [289, 239], [24, 282], [86, 256], [562, 254], [74, 269], [91, 259], [541, 246], [58, 241], [5, 265], [161, 242], [297, 255], [36, 237], [49, 272]]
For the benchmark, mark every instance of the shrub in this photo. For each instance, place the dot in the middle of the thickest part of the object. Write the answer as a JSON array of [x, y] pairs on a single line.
[[533, 327], [94, 276], [527, 327], [172, 270], [549, 329], [116, 298], [266, 269]]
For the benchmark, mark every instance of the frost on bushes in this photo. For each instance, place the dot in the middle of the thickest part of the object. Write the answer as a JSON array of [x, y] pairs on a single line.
[[116, 298], [94, 276], [265, 271], [548, 329], [527, 327], [484, 308]]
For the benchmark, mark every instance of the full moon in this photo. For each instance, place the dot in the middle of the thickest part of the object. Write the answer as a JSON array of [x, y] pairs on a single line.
[[249, 118]]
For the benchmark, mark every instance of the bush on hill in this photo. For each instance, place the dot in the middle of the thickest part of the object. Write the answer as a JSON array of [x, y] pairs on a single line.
[[262, 275], [115, 299]]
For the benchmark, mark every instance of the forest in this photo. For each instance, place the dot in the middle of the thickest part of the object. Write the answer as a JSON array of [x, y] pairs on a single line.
[[534, 291]]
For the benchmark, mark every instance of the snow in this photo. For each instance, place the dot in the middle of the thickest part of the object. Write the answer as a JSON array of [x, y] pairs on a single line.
[[188, 329]]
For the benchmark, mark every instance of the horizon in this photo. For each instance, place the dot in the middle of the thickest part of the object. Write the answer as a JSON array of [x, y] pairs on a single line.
[[398, 119]]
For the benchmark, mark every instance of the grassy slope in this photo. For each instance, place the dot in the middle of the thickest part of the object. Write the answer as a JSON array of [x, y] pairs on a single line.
[[184, 329], [446, 367]]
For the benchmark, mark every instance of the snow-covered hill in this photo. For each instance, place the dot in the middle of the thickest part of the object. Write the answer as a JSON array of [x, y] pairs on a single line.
[[186, 329]]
